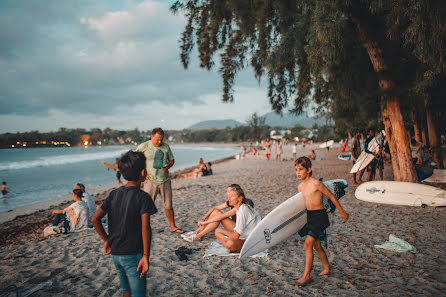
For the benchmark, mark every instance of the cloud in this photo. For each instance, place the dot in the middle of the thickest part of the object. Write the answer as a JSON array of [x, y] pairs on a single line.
[[75, 57]]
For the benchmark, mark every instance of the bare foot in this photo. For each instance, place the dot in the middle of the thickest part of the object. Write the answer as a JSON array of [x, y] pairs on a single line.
[[325, 272], [360, 181], [303, 281]]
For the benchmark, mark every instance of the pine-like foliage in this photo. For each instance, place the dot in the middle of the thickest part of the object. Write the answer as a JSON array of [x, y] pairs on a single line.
[[312, 49]]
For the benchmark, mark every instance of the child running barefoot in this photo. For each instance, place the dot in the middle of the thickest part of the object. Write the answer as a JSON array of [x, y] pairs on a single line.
[[317, 218]]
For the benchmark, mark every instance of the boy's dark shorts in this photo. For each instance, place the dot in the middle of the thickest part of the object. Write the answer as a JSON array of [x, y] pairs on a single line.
[[317, 222], [372, 166]]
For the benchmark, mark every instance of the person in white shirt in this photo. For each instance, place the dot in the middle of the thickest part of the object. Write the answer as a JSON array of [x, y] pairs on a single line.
[[246, 218], [89, 201], [75, 216]]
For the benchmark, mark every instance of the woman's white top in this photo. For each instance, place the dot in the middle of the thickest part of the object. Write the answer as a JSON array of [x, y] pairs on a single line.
[[246, 221]]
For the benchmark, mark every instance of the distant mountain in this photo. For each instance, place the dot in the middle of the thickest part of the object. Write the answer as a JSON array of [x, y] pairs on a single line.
[[289, 120], [272, 119], [217, 124]]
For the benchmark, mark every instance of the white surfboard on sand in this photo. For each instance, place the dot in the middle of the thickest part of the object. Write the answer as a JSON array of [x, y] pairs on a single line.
[[365, 158], [286, 220], [439, 176], [400, 193], [326, 144]]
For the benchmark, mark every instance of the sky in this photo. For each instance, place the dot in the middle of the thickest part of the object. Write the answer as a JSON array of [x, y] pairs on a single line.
[[107, 63]]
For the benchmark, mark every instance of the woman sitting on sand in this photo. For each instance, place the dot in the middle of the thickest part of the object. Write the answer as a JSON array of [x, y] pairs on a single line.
[[234, 232], [197, 171]]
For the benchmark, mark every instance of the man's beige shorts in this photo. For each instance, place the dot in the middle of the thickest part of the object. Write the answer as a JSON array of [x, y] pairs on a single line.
[[165, 189]]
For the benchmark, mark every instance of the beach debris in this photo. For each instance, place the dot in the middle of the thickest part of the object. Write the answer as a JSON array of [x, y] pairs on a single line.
[[397, 244], [183, 251]]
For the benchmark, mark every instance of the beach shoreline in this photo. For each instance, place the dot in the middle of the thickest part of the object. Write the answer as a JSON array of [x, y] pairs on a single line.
[[76, 265]]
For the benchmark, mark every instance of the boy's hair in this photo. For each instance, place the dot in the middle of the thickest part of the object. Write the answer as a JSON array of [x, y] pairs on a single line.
[[78, 193], [157, 131], [82, 187], [131, 164], [305, 162], [4, 183]]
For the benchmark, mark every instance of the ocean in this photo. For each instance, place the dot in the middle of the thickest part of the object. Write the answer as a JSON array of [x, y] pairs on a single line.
[[41, 174]]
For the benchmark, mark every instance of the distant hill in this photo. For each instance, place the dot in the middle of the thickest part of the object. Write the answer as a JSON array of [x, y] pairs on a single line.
[[217, 124], [272, 119], [290, 120]]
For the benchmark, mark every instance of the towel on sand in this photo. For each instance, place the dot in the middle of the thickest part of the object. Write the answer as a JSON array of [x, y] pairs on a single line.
[[397, 244], [217, 249]]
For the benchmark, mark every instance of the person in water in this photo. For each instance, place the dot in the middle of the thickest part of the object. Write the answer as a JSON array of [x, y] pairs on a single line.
[[4, 188], [317, 218], [234, 232]]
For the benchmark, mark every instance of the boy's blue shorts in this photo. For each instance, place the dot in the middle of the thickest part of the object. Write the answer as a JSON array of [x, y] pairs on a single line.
[[126, 266]]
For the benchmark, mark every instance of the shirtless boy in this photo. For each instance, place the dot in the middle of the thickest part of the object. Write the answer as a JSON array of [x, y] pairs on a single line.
[[317, 218]]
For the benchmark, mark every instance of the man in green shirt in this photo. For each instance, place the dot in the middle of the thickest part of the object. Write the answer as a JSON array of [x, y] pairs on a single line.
[[159, 159]]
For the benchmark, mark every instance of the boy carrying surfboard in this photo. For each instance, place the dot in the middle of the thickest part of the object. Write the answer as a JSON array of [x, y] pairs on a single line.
[[317, 218]]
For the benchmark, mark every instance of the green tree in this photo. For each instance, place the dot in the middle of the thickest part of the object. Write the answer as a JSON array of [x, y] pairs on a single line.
[[323, 50], [256, 123]]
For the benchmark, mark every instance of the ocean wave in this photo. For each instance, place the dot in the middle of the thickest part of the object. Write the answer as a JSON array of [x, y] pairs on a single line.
[[61, 160]]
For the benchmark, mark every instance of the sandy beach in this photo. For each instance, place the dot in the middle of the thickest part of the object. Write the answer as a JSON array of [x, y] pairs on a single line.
[[76, 265]]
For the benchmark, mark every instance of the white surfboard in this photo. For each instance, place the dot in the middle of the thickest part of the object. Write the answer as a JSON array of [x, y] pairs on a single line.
[[401, 193], [439, 176], [364, 158], [326, 144], [286, 220]]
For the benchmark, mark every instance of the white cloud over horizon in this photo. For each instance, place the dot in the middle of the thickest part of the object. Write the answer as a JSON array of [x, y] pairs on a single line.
[[74, 64]]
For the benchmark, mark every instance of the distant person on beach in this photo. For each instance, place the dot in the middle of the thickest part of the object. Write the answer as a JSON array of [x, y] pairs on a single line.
[[203, 169], [379, 156], [208, 170], [252, 149], [371, 168], [279, 150], [267, 145], [5, 189], [317, 218], [294, 150], [88, 200], [234, 232], [118, 173], [242, 152], [312, 156], [356, 151], [159, 159], [129, 231], [75, 216]]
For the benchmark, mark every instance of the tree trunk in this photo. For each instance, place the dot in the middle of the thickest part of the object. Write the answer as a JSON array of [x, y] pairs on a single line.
[[424, 136], [416, 127], [392, 145], [434, 137], [404, 169]]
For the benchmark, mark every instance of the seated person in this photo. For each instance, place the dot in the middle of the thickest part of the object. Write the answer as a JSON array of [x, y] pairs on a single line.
[[234, 232], [312, 156], [207, 170], [89, 200], [75, 216]]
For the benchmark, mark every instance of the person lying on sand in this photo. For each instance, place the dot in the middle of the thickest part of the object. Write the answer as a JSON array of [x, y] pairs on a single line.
[[234, 232]]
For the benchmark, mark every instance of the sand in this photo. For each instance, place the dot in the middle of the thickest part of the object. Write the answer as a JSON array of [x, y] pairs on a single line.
[[76, 265]]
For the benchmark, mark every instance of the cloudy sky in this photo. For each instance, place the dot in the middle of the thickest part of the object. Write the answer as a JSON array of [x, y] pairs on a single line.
[[107, 63]]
